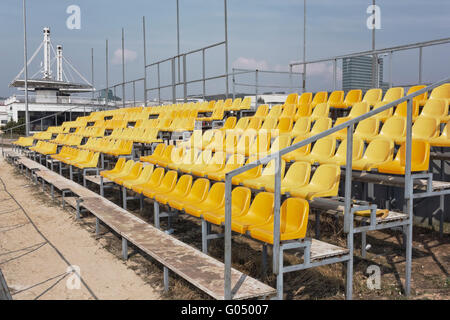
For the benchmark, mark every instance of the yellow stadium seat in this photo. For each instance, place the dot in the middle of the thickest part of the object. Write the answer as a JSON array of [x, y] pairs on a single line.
[[444, 139], [420, 159], [436, 108], [259, 213], [291, 99], [90, 162], [321, 110], [322, 150], [297, 175], [297, 153], [321, 124], [352, 98], [180, 191], [394, 128], [133, 175], [166, 186], [336, 98], [422, 99], [275, 112], [203, 159], [393, 94], [284, 126], [188, 157], [366, 129], [293, 222], [303, 111], [126, 169], [378, 152], [305, 99], [152, 182], [319, 97], [117, 168], [267, 177], [262, 111], [144, 176], [216, 163], [240, 202], [245, 141], [196, 195], [357, 110], [373, 96], [230, 123], [340, 158], [301, 127], [289, 111], [213, 201], [324, 183], [249, 174], [441, 92], [424, 128], [234, 162]]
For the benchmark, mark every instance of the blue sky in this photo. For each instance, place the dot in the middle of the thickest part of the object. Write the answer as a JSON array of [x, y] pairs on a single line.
[[266, 34]]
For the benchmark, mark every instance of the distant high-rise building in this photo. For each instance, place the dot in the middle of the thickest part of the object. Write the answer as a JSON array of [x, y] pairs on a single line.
[[357, 73]]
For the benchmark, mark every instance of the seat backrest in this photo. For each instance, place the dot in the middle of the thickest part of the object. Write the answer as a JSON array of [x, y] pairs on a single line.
[[229, 123], [321, 125], [394, 94], [289, 111], [136, 169], [321, 110], [159, 149], [353, 96], [291, 99], [303, 150], [146, 172], [326, 175], [169, 180], [269, 123], [275, 112], [441, 92], [305, 98], [294, 216], [240, 199], [435, 107], [262, 111], [216, 194], [302, 126], [242, 123], [413, 89], [420, 153], [254, 123], [298, 173], [184, 184], [425, 127], [156, 177], [280, 142], [262, 206], [336, 97], [199, 189], [270, 168], [262, 142], [358, 109], [284, 125], [379, 150], [373, 96], [394, 127], [358, 148], [324, 147], [319, 97]]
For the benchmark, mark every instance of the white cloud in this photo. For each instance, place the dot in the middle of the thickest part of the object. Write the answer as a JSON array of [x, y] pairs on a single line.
[[320, 69], [129, 56], [250, 63]]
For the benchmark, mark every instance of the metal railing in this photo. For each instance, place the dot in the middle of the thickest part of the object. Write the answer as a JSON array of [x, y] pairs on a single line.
[[184, 81], [348, 213], [375, 54]]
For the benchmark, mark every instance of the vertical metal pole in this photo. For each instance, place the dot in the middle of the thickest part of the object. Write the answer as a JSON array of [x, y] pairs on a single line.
[[334, 74], [178, 40], [25, 58], [92, 74], [145, 61], [184, 79], [204, 73], [134, 93], [227, 249], [107, 76], [276, 217], [123, 69], [159, 85], [420, 65], [290, 78], [226, 47], [348, 216], [408, 197], [256, 88], [174, 88], [390, 69], [234, 84], [304, 47], [374, 57]]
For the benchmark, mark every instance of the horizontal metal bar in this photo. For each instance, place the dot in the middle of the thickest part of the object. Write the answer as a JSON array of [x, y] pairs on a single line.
[[431, 194], [315, 264], [381, 226], [266, 71], [264, 86], [379, 51], [185, 54], [187, 82]]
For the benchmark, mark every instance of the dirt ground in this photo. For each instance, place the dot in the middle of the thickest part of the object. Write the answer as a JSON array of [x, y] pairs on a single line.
[[141, 278]]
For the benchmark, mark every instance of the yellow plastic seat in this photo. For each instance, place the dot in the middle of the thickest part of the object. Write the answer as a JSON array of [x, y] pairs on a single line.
[[305, 99], [207, 137], [373, 96], [383, 115], [217, 113], [278, 144], [197, 194], [291, 99], [144, 176], [259, 213], [303, 111], [293, 222], [242, 124], [261, 143], [424, 128], [90, 162], [269, 124], [297, 175], [275, 112], [441, 92], [213, 201], [324, 183], [194, 141], [340, 158], [301, 127], [254, 123], [245, 141], [240, 202], [357, 110], [203, 159], [319, 97], [289, 111], [230, 123], [422, 99], [436, 108], [246, 104], [134, 174], [216, 163], [284, 126], [322, 150], [394, 128], [378, 152], [365, 130], [336, 98], [267, 177], [262, 111], [189, 157], [321, 125], [170, 154], [157, 153], [322, 110], [297, 154], [249, 174], [393, 94], [167, 185], [180, 191], [401, 110], [152, 182], [234, 162], [217, 141], [352, 98], [116, 170], [444, 139], [420, 159]]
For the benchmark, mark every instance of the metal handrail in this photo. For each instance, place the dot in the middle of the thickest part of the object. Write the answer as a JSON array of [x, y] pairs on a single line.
[[348, 217]]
